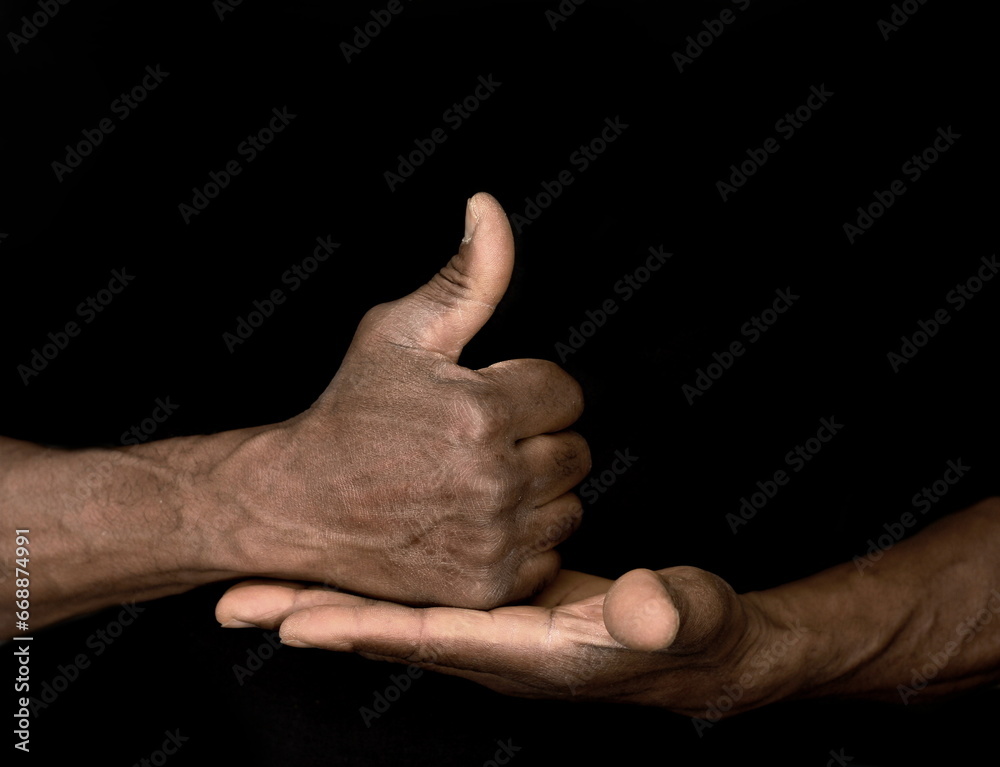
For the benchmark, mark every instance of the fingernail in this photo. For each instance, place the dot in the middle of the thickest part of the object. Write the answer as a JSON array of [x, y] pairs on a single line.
[[238, 625], [295, 643], [471, 219]]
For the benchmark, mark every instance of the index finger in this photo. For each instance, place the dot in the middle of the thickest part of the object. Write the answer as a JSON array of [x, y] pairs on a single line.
[[546, 398]]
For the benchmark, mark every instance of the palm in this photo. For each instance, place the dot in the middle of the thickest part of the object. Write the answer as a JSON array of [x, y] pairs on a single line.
[[556, 646]]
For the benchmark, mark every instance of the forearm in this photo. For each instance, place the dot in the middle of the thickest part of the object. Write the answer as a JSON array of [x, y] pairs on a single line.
[[921, 622], [111, 525]]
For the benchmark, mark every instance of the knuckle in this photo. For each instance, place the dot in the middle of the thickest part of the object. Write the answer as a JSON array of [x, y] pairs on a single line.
[[490, 489], [573, 387], [545, 369], [483, 547], [473, 418], [538, 372], [556, 377]]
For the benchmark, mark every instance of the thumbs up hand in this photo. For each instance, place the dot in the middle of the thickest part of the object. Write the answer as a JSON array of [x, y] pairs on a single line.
[[413, 478]]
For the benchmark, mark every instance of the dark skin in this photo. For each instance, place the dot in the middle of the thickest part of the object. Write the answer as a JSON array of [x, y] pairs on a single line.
[[411, 478], [681, 638], [416, 481]]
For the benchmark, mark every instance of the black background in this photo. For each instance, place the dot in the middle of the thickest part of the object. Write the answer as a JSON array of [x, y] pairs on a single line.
[[654, 186]]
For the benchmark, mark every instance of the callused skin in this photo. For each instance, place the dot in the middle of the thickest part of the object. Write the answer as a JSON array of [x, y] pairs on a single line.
[[411, 478]]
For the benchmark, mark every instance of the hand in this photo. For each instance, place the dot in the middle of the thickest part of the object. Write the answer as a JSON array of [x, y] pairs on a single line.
[[679, 638], [413, 478]]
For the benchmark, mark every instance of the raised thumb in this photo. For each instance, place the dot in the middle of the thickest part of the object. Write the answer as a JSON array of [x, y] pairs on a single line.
[[443, 315]]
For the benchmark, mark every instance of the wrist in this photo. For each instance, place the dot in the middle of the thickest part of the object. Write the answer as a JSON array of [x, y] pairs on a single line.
[[767, 662], [884, 631], [784, 652], [209, 484], [255, 486], [833, 629], [159, 511]]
